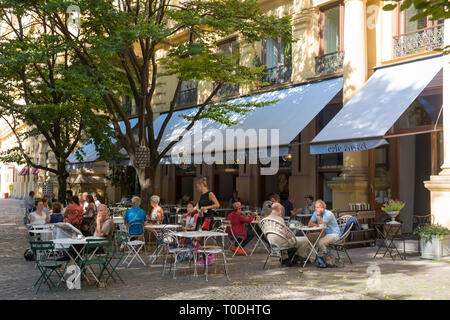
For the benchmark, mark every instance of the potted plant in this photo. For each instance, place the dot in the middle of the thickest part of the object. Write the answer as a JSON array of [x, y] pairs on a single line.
[[434, 241], [392, 208]]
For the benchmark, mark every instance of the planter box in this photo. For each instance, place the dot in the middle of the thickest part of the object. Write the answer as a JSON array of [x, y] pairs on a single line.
[[435, 249]]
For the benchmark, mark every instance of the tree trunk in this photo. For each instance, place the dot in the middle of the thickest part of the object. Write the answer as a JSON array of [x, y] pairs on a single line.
[[146, 182], [62, 184]]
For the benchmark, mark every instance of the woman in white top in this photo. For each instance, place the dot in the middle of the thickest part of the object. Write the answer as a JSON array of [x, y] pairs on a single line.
[[39, 216]]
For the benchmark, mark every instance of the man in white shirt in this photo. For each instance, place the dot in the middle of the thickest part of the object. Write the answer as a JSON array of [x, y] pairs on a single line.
[[29, 201]]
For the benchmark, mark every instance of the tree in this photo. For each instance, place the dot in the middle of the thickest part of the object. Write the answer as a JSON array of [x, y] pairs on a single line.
[[44, 94], [435, 9], [118, 39]]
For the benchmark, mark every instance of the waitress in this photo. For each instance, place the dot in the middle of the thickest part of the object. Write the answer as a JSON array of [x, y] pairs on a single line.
[[207, 203]]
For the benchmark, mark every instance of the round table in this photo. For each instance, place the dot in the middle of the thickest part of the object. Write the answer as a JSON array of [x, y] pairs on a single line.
[[305, 230], [157, 229]]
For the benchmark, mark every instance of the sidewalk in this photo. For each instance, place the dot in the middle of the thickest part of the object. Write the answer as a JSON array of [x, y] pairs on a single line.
[[365, 279]]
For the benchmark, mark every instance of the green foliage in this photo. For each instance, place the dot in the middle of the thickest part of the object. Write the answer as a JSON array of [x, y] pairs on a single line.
[[428, 231], [393, 205]]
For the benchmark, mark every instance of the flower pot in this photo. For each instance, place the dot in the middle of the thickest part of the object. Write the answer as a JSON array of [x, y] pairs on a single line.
[[393, 215], [436, 248]]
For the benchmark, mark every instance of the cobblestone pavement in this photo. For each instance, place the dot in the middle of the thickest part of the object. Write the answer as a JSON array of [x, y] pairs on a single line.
[[410, 279]]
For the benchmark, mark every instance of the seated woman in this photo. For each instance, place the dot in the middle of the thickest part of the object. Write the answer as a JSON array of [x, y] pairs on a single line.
[[242, 232], [89, 216], [38, 216], [74, 213], [56, 215], [157, 213]]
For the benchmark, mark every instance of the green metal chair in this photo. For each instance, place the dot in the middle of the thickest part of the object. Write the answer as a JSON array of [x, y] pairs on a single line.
[[116, 256], [45, 258], [97, 252]]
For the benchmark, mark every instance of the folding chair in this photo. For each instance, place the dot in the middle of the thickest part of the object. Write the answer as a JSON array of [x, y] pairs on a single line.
[[173, 249], [97, 252], [340, 244], [207, 251], [134, 246], [46, 263], [116, 256], [227, 224]]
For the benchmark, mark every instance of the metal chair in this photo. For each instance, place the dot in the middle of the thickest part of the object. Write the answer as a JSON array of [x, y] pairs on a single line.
[[47, 263], [226, 224], [116, 256], [280, 238], [207, 251], [97, 252], [134, 246], [340, 244], [173, 249]]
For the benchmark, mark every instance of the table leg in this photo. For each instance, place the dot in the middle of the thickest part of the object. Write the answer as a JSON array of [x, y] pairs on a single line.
[[312, 246]]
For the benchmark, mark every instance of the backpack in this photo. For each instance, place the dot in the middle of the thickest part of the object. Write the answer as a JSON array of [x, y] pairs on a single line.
[[28, 255]]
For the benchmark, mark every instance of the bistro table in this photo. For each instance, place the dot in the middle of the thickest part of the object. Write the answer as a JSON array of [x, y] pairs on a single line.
[[203, 234], [72, 243], [305, 230], [158, 230], [259, 236], [388, 232]]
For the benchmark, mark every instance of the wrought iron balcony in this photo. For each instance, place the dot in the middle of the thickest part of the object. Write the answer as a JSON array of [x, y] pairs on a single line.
[[187, 97], [277, 75], [423, 40], [329, 63]]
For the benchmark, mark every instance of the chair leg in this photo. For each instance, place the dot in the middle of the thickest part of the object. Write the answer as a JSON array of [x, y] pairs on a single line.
[[348, 256], [206, 266], [264, 267], [225, 264]]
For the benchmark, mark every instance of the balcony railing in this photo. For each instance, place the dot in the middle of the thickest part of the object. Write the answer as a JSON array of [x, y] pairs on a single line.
[[277, 75], [423, 40], [330, 63], [187, 97]]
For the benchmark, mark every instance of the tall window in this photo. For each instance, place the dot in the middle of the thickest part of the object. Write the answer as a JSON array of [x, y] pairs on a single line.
[[410, 26], [188, 93], [331, 39], [228, 48], [331, 33], [276, 56]]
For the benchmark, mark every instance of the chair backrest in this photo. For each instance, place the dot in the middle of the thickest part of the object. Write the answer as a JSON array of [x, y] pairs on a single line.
[[422, 220], [342, 222], [136, 227], [170, 239], [41, 250], [278, 234]]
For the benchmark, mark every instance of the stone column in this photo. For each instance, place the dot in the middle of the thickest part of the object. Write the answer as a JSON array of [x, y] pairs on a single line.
[[305, 47], [439, 185], [352, 185]]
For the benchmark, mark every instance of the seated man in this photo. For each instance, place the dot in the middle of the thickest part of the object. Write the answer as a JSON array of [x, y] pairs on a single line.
[[321, 216], [242, 232], [105, 225], [135, 215]]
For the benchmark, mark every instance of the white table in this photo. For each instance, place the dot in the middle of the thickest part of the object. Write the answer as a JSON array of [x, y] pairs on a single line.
[[71, 242], [202, 234], [162, 226], [305, 230]]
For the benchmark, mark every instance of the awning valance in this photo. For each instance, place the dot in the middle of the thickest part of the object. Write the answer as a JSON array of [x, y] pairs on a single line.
[[372, 111], [25, 171], [295, 109]]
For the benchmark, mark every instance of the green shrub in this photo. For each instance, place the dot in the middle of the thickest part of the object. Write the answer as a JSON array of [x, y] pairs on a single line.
[[393, 205], [428, 231]]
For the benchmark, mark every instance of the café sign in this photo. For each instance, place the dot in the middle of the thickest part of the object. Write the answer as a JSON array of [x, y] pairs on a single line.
[[346, 146]]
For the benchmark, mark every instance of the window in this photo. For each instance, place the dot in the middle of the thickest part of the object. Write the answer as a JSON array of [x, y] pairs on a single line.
[[276, 56], [188, 93], [331, 33], [228, 48], [331, 39]]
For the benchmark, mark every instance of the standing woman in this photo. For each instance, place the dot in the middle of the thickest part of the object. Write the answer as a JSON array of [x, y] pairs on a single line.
[[207, 203]]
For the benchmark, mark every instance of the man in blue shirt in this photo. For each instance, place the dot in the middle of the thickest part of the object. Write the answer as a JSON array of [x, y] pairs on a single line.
[[135, 215], [321, 216]]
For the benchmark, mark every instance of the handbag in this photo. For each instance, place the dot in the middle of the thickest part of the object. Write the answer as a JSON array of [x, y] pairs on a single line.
[[206, 223]]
